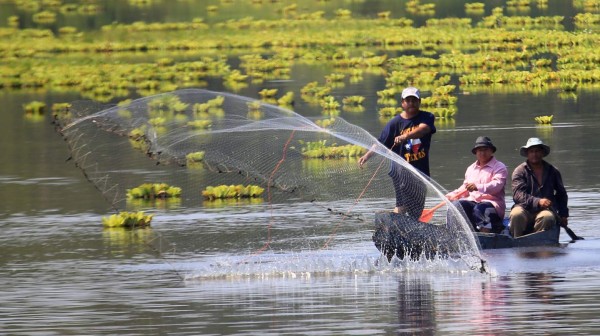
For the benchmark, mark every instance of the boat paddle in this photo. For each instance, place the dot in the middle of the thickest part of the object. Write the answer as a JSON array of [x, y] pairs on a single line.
[[567, 229], [427, 214], [571, 233]]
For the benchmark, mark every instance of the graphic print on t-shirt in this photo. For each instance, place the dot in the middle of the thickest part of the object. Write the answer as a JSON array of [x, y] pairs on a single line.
[[413, 145]]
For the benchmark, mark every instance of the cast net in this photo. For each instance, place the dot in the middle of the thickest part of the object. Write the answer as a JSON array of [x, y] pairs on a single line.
[[257, 180]]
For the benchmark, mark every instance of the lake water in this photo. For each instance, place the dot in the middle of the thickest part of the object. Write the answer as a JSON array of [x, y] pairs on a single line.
[[63, 274]]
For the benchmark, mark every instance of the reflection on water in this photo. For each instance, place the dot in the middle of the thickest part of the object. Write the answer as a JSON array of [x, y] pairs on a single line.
[[416, 307]]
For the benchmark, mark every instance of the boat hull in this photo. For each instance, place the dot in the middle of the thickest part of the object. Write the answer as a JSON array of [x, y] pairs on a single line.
[[404, 237], [497, 241]]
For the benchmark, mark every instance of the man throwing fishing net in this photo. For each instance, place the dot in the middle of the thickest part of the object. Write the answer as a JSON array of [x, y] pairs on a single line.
[[408, 135]]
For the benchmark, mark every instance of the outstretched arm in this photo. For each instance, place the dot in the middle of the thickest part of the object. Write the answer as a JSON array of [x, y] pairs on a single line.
[[363, 159]]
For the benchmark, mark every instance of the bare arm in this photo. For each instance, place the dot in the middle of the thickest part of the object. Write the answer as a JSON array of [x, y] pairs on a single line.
[[419, 132], [363, 159]]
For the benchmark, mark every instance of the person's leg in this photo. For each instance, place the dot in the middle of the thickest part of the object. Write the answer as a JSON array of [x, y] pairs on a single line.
[[497, 222], [467, 207], [486, 218], [394, 173], [519, 219], [544, 220], [410, 191]]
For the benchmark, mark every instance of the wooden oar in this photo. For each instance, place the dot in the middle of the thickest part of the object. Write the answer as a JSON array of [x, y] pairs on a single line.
[[571, 233], [567, 229], [427, 214]]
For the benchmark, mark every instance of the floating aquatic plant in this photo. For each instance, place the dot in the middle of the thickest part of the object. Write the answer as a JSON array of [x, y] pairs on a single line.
[[195, 158], [45, 17], [386, 93], [313, 89], [446, 112], [127, 219], [389, 111], [232, 191], [325, 122], [328, 103], [199, 124], [211, 108], [320, 149], [384, 15], [254, 105], [158, 121], [62, 109], [353, 100], [166, 104], [267, 93], [35, 107], [286, 100], [544, 119], [13, 21], [568, 86], [153, 191], [334, 78], [497, 45]]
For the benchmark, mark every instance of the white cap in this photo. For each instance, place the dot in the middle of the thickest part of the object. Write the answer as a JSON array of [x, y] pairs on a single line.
[[411, 91]]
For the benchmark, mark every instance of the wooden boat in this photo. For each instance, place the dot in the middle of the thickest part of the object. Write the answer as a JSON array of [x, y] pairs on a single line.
[[496, 241], [406, 237]]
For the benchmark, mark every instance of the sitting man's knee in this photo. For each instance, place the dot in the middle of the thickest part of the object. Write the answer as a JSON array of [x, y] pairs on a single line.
[[518, 211], [544, 220]]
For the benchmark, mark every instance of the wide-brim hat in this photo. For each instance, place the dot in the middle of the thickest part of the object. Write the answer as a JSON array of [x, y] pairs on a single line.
[[483, 141], [532, 142], [411, 91]]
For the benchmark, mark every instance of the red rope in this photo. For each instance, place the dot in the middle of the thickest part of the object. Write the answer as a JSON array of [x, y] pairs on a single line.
[[279, 163]]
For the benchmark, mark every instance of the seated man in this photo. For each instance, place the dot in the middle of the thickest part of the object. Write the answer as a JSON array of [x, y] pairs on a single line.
[[538, 192], [481, 195]]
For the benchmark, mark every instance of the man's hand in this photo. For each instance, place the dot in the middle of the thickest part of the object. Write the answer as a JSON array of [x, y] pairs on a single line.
[[545, 203], [471, 187], [400, 138], [362, 160]]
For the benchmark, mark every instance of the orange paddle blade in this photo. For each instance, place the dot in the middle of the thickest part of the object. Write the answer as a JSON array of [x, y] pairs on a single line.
[[427, 214]]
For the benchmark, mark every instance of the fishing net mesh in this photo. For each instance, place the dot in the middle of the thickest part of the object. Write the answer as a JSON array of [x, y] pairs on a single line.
[[227, 152]]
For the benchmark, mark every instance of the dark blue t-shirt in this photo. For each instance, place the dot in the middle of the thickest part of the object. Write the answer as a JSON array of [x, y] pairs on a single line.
[[414, 151]]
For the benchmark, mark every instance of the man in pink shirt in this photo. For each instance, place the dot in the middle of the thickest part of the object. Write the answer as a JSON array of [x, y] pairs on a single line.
[[482, 193]]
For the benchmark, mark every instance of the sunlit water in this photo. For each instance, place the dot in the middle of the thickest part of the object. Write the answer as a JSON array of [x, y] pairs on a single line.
[[61, 275]]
